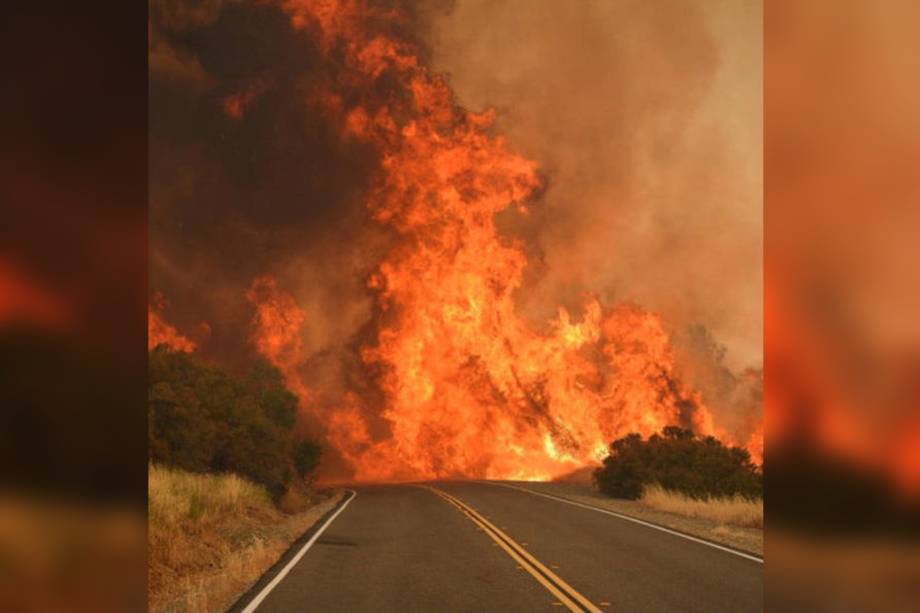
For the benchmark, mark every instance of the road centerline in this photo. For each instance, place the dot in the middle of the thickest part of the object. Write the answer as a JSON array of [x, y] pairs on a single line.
[[567, 595]]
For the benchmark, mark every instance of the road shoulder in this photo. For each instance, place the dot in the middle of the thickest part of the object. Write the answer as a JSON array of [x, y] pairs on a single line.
[[288, 542], [745, 539]]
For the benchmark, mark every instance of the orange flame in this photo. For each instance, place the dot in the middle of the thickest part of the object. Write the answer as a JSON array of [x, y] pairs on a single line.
[[161, 332], [754, 444], [470, 388], [277, 327]]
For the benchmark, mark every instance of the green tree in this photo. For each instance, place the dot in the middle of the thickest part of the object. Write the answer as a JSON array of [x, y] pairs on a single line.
[[203, 418]]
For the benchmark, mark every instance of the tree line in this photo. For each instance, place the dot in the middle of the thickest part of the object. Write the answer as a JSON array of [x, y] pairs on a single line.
[[202, 418]]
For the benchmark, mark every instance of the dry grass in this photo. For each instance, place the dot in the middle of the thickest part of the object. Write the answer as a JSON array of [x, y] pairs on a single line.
[[735, 511], [211, 536], [181, 500]]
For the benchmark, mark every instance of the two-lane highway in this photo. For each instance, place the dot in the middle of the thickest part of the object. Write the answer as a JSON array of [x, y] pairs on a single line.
[[470, 546]]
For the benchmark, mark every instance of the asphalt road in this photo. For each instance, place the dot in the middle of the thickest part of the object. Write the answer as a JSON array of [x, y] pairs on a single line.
[[466, 546]]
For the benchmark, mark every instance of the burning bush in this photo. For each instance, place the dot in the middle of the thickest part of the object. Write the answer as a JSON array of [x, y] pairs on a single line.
[[679, 461], [204, 419]]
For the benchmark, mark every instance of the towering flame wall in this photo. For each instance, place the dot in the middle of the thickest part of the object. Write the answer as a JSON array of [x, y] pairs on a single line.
[[469, 387]]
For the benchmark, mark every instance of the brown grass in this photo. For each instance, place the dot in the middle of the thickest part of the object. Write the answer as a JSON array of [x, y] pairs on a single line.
[[211, 536], [735, 511]]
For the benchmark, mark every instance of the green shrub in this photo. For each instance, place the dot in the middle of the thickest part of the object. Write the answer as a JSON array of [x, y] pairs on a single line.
[[677, 460], [204, 419]]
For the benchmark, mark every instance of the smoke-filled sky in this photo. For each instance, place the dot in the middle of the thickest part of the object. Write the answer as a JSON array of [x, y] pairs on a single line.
[[644, 119], [271, 190]]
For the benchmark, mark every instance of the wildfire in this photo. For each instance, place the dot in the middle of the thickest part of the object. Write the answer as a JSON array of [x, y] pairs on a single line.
[[277, 327], [161, 332], [470, 388]]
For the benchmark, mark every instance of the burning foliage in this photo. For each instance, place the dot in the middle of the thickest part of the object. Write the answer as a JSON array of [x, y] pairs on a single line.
[[161, 332], [469, 387], [446, 377]]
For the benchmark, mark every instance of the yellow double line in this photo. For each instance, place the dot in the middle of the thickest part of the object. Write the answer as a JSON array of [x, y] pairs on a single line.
[[551, 581]]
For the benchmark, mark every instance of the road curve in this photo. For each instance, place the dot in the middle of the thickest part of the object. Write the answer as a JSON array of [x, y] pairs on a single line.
[[471, 546]]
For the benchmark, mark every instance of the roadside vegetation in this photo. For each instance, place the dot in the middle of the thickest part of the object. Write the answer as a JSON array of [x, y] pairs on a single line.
[[229, 481], [210, 537], [678, 472], [204, 419], [736, 511]]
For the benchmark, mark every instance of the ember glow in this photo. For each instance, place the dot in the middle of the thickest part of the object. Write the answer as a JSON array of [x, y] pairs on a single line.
[[469, 387]]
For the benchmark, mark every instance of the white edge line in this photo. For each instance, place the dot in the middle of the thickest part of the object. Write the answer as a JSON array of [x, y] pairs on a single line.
[[255, 602], [628, 518]]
